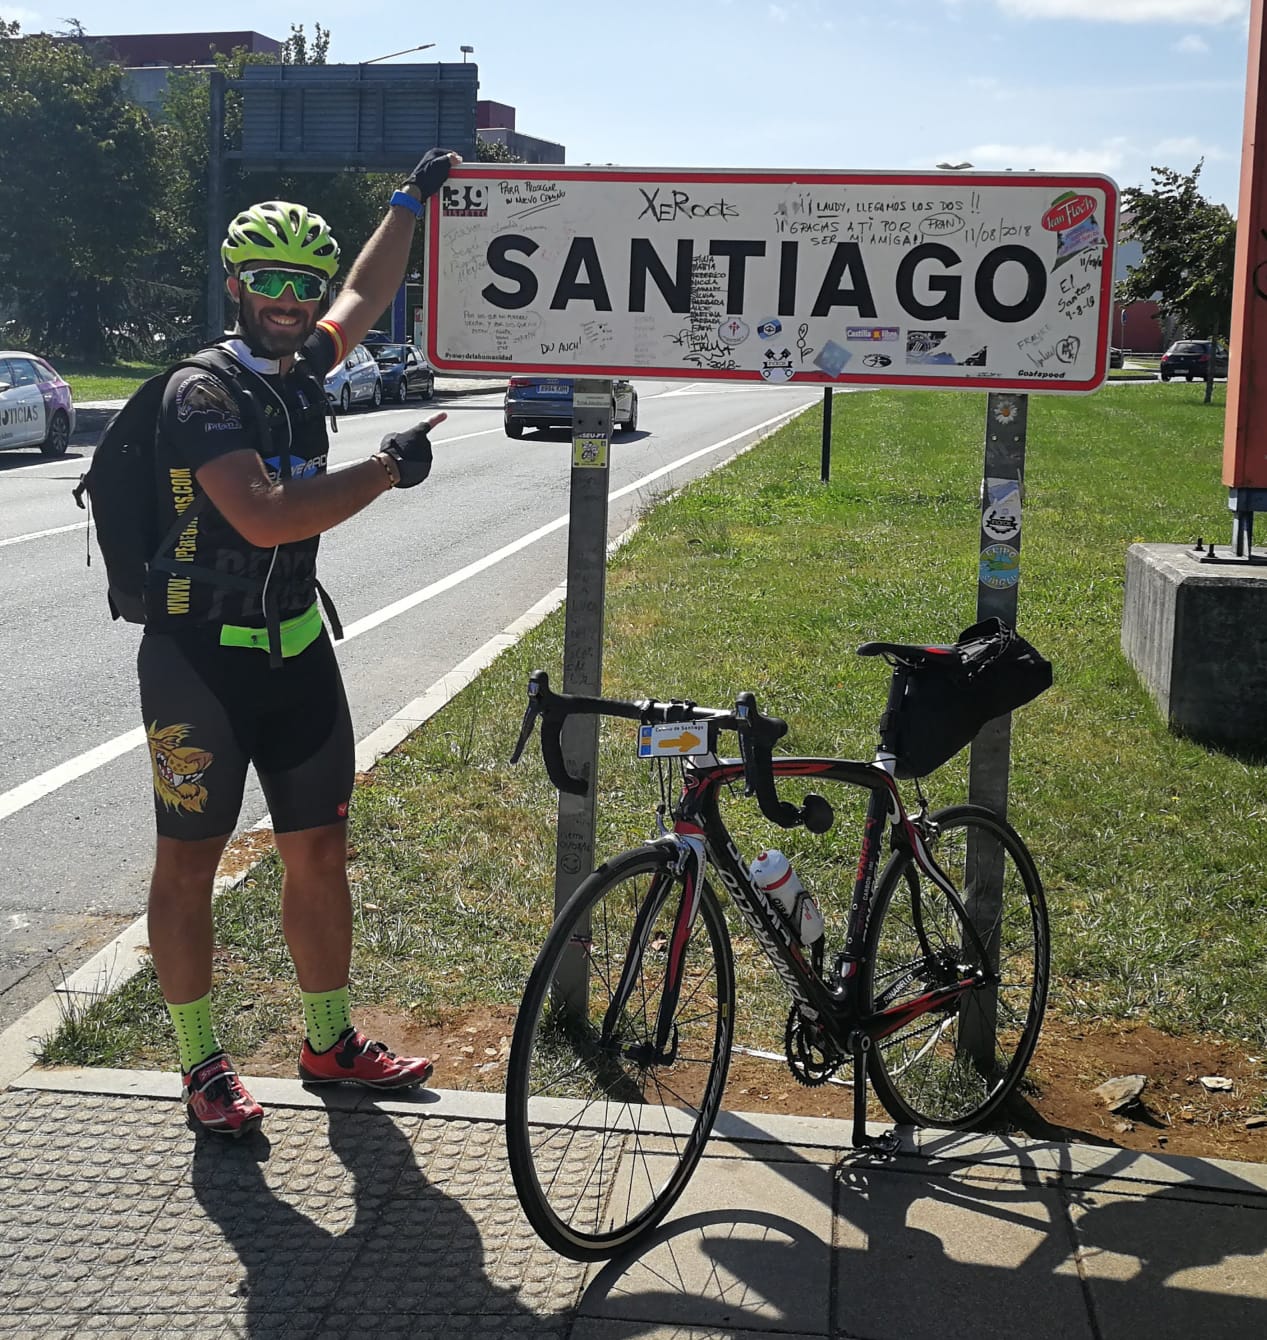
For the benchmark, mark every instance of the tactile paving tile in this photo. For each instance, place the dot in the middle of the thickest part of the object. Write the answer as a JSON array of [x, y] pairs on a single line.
[[150, 1230]]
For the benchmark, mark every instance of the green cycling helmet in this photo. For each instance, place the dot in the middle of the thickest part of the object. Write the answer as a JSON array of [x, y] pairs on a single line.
[[280, 233]]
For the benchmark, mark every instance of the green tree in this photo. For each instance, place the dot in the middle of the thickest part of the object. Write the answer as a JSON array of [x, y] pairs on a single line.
[[295, 48], [79, 197], [494, 151], [1189, 251]]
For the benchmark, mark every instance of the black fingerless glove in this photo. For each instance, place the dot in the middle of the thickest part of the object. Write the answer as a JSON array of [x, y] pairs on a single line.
[[431, 173], [411, 451]]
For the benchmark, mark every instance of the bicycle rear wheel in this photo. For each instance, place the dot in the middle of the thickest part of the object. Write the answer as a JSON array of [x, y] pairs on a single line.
[[954, 1066], [602, 1134]]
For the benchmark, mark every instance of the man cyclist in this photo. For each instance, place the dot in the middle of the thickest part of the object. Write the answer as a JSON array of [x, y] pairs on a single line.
[[236, 665]]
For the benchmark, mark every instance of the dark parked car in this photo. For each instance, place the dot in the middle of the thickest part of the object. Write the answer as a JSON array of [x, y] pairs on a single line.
[[404, 371], [1191, 359], [373, 337], [1116, 357], [35, 405], [546, 402]]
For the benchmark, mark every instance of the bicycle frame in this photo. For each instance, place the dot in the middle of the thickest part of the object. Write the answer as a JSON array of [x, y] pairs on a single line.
[[838, 1003]]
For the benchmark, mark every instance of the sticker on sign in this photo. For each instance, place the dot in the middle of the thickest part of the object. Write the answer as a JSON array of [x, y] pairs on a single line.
[[680, 740], [773, 277]]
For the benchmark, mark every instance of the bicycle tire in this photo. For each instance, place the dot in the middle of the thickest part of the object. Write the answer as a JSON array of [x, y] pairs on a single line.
[[594, 1166], [952, 1068]]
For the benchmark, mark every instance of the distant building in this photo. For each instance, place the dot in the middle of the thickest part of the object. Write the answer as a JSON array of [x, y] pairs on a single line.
[[147, 58], [136, 49], [495, 122], [1137, 326]]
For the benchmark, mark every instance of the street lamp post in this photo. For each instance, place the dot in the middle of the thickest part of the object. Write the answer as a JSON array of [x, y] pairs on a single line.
[[466, 51], [424, 47]]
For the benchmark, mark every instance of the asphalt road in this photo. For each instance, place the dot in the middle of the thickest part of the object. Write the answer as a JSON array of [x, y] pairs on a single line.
[[421, 580]]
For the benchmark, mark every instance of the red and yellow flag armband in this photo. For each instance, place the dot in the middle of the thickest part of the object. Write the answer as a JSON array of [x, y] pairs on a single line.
[[335, 332]]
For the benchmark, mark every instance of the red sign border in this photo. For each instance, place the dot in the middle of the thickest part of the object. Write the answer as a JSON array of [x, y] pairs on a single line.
[[735, 177]]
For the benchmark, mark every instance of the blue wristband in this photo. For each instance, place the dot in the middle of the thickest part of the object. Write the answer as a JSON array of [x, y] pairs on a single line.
[[404, 199]]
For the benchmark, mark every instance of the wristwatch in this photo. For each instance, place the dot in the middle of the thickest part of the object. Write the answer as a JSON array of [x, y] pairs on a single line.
[[407, 201]]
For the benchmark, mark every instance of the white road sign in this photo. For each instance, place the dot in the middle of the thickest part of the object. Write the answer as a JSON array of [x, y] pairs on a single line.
[[934, 279]]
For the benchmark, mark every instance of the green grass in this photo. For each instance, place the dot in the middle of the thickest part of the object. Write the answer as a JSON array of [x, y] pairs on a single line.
[[105, 381], [760, 577]]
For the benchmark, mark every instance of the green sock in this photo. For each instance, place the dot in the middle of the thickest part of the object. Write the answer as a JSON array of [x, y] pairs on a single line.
[[327, 1014], [195, 1035]]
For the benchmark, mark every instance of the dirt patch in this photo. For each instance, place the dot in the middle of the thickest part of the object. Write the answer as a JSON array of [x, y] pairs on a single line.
[[245, 852], [1175, 1113]]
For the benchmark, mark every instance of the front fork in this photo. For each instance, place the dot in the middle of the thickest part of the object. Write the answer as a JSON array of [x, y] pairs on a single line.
[[688, 867]]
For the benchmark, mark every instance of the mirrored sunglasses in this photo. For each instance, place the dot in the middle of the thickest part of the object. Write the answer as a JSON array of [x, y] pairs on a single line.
[[273, 283]]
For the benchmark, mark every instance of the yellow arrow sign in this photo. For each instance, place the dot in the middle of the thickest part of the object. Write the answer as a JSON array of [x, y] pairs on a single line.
[[681, 742]]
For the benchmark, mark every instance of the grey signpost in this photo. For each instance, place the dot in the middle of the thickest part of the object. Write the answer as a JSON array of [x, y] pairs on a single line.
[[583, 650], [998, 575]]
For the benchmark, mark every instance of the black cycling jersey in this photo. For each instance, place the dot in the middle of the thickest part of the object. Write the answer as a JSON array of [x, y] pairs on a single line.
[[202, 420]]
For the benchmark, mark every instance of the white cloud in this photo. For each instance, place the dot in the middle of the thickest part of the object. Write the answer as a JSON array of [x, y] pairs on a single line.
[[1192, 45], [31, 21], [1188, 149], [1129, 11], [1046, 157], [778, 13]]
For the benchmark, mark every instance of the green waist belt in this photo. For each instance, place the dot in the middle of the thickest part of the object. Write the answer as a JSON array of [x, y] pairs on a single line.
[[298, 633]]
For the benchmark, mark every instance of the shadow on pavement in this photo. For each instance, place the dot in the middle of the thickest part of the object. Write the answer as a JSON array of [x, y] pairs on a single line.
[[347, 1235]]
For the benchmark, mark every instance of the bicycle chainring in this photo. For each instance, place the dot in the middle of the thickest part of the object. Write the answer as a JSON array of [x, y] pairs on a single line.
[[811, 1056]]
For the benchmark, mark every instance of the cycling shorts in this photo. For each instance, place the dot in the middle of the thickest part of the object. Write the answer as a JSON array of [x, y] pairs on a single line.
[[209, 710]]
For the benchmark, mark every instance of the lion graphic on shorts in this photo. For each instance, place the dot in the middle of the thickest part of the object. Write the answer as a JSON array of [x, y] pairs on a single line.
[[178, 771]]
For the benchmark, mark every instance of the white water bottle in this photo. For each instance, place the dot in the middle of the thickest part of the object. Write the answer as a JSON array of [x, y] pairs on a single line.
[[773, 874]]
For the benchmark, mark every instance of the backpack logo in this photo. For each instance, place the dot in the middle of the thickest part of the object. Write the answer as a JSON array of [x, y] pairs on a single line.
[[205, 396]]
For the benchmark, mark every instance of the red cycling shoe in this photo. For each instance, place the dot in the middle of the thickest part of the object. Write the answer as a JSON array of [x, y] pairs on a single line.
[[216, 1099], [354, 1059]]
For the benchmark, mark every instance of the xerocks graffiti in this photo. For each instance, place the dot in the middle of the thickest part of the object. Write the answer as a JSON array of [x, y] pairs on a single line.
[[818, 277]]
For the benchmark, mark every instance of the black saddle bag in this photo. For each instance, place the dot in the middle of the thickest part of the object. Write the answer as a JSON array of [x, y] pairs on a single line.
[[991, 671]]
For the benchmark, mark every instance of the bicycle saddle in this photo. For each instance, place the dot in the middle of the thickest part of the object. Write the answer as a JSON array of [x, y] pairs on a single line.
[[907, 654]]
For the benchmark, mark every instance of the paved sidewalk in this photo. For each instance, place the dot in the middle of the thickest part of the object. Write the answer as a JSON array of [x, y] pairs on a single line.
[[366, 1217]]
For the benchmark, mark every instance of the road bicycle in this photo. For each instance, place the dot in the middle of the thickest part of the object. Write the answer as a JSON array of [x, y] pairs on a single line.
[[623, 1039]]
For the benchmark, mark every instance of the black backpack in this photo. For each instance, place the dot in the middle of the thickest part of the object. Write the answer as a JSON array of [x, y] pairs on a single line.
[[121, 485]]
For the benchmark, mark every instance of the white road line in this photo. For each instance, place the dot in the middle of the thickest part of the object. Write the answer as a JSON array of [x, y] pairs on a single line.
[[27, 793], [40, 534], [79, 525], [65, 773]]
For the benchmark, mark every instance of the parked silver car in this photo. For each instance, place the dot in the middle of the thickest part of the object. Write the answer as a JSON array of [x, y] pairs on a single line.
[[355, 381]]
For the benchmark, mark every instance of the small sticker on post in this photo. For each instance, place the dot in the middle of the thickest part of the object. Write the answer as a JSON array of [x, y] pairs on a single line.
[[1001, 515], [1000, 566], [589, 452], [679, 740]]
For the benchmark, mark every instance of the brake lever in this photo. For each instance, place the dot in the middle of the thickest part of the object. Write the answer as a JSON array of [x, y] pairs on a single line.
[[525, 731]]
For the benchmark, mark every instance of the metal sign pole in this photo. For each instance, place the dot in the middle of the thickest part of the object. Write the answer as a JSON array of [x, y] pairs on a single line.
[[825, 473], [583, 652], [998, 577]]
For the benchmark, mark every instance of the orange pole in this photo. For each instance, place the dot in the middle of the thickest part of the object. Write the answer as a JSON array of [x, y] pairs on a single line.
[[1245, 425]]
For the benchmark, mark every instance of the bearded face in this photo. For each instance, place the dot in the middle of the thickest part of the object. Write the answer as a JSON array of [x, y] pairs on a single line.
[[274, 327]]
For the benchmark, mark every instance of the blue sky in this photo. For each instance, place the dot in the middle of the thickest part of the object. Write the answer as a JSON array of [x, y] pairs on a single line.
[[1106, 85]]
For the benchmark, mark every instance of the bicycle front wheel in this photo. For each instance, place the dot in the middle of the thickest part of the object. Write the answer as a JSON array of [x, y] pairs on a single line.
[[955, 1065], [603, 1126]]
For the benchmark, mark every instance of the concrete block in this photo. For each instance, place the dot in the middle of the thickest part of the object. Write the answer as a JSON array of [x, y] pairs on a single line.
[[1196, 634]]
